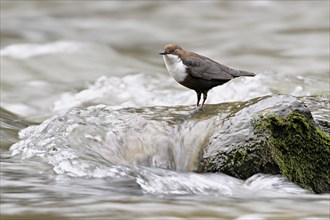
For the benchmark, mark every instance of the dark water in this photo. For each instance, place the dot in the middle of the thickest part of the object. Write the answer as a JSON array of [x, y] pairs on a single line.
[[100, 57]]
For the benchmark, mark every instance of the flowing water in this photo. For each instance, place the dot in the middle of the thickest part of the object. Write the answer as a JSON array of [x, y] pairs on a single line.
[[105, 141]]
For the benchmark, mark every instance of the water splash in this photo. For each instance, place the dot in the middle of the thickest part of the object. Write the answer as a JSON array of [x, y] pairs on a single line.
[[82, 141], [170, 183]]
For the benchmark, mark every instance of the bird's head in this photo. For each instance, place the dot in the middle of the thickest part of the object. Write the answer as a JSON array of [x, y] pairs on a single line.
[[171, 49]]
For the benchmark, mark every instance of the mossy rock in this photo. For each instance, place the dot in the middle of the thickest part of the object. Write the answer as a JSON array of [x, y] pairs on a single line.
[[280, 137], [300, 149]]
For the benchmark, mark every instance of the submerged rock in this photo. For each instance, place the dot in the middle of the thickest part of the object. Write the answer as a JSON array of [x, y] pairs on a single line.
[[273, 135]]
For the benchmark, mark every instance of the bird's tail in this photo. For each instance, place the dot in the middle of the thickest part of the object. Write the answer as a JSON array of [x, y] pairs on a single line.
[[244, 73]]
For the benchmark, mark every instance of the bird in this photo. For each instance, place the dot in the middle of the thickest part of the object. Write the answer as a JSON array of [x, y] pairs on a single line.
[[197, 72]]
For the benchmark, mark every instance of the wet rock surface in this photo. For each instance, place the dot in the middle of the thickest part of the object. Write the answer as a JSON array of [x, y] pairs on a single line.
[[273, 135]]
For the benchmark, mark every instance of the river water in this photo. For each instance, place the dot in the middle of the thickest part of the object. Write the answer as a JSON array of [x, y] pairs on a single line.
[[88, 72]]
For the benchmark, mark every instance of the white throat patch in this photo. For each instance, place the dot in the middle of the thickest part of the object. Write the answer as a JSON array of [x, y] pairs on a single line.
[[175, 67]]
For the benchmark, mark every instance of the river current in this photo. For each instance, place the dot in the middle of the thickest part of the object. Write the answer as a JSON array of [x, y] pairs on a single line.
[[86, 76]]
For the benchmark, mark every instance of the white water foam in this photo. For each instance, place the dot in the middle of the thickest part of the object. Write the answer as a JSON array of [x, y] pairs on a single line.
[[161, 182], [142, 90], [25, 51]]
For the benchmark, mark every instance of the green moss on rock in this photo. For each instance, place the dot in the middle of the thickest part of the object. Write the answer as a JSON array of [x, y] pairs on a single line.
[[299, 148], [271, 135]]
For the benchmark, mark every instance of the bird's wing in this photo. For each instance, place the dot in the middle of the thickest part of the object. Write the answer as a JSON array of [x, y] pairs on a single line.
[[205, 68]]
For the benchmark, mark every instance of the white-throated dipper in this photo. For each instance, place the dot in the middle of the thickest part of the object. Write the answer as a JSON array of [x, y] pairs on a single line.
[[197, 72]]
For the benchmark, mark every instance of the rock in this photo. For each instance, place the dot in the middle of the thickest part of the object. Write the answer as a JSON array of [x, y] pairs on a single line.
[[272, 135]]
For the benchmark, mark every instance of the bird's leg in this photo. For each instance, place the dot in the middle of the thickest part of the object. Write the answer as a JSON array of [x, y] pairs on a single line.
[[204, 98], [198, 97]]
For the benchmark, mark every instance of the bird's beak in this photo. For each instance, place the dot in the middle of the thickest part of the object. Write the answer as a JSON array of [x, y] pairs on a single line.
[[162, 53]]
